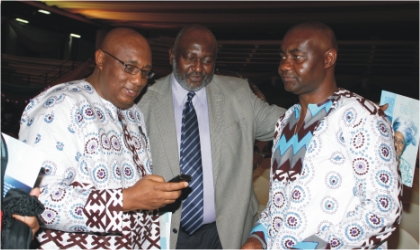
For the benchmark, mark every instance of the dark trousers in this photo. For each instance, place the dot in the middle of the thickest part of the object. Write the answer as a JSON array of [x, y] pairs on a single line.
[[206, 237]]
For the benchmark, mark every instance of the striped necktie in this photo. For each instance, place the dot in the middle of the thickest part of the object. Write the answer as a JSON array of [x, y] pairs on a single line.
[[190, 163]]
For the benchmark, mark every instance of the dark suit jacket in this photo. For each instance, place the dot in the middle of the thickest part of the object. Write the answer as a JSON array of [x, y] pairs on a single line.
[[237, 117]]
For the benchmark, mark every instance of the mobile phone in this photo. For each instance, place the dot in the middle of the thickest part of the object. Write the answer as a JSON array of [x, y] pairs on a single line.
[[181, 177]]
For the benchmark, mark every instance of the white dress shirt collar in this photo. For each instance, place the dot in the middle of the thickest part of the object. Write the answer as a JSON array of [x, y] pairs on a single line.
[[180, 94]]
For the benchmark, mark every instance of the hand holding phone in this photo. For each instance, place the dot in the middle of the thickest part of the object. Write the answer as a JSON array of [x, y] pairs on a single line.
[[181, 177]]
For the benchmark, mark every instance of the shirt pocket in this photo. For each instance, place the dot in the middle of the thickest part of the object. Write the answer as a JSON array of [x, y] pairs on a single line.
[[235, 134]]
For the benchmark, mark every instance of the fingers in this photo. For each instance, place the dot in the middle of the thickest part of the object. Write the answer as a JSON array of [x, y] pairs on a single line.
[[169, 192], [151, 192], [171, 186], [30, 221], [165, 186], [19, 217], [161, 185], [252, 243], [35, 192], [384, 107], [170, 197]]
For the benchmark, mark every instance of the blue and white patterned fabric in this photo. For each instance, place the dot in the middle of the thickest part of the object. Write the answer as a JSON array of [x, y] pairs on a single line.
[[87, 166], [405, 170], [335, 184]]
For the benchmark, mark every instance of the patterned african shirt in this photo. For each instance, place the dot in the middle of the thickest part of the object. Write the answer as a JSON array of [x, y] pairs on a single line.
[[335, 183], [88, 163]]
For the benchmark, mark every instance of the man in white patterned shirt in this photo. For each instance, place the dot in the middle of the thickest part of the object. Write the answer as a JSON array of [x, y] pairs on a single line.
[[334, 181], [98, 189]]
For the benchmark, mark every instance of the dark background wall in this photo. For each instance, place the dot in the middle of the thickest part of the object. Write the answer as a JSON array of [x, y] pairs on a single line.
[[378, 41]]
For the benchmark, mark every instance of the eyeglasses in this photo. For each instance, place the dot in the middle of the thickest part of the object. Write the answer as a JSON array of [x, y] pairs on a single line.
[[133, 70]]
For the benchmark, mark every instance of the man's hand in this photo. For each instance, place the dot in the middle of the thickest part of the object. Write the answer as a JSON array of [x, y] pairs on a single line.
[[252, 243], [384, 107], [151, 192], [30, 221]]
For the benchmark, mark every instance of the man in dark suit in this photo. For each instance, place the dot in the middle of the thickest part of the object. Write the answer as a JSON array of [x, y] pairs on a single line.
[[230, 117]]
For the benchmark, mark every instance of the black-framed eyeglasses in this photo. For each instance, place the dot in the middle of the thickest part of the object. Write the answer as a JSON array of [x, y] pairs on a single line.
[[133, 70]]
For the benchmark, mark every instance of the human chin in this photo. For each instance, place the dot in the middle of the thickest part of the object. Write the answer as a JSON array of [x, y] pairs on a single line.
[[198, 81], [189, 85], [289, 87], [195, 85], [123, 104]]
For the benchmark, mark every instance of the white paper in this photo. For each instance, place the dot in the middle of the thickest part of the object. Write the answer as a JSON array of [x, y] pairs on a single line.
[[23, 166], [165, 230]]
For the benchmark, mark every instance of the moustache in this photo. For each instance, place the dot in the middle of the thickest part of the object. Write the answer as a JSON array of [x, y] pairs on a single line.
[[204, 75]]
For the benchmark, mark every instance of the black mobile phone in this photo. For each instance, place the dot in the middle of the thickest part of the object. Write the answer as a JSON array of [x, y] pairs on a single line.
[[181, 177]]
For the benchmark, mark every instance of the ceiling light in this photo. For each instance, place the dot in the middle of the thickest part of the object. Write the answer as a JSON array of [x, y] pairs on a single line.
[[44, 12], [21, 20], [75, 35]]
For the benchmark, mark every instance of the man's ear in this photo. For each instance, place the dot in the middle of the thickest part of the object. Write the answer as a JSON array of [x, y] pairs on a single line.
[[330, 58], [171, 55], [99, 58]]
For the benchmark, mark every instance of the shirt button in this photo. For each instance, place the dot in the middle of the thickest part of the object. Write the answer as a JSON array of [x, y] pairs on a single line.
[[174, 230]]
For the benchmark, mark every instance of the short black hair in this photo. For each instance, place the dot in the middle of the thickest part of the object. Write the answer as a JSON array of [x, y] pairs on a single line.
[[316, 25], [188, 27]]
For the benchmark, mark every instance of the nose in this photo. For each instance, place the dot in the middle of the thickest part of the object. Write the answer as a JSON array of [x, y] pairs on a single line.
[[138, 80], [197, 66], [284, 65]]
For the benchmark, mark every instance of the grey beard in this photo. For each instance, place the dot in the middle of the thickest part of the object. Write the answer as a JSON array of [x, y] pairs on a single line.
[[183, 82]]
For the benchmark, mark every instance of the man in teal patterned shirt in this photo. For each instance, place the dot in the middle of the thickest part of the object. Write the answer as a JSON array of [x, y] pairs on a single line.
[[334, 179]]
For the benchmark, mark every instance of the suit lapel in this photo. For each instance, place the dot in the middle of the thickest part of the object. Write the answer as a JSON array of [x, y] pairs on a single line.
[[165, 117], [215, 101]]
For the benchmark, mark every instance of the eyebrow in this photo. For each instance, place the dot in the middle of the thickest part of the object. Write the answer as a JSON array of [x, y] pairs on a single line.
[[291, 51], [195, 54], [135, 63]]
